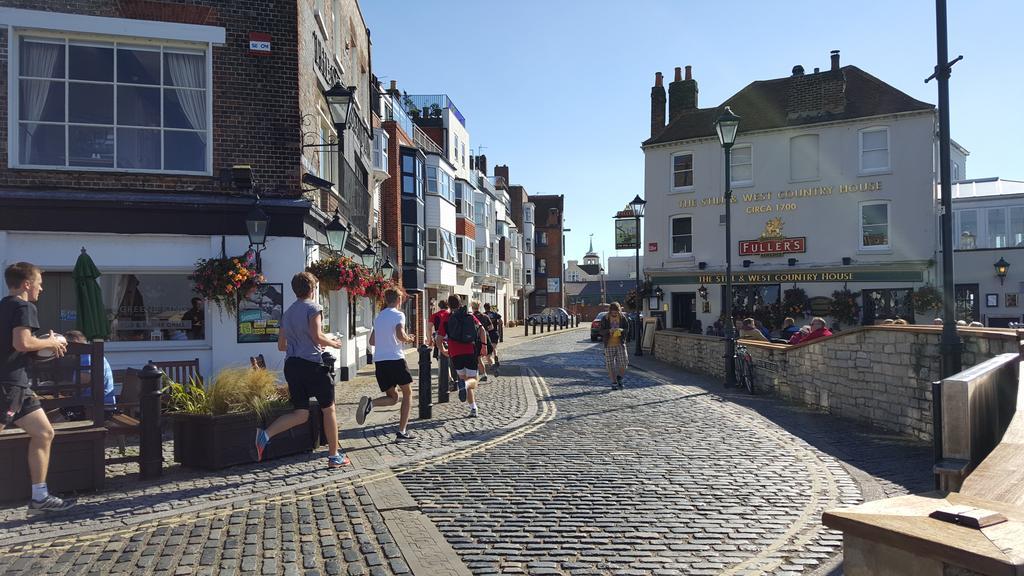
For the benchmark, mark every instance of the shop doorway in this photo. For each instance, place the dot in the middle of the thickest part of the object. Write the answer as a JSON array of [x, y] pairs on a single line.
[[684, 311], [968, 302]]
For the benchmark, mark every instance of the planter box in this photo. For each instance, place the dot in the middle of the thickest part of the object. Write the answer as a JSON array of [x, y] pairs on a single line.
[[215, 442], [76, 461]]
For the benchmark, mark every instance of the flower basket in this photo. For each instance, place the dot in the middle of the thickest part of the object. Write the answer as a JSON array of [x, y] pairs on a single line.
[[375, 287], [927, 299], [341, 273], [844, 307], [224, 280]]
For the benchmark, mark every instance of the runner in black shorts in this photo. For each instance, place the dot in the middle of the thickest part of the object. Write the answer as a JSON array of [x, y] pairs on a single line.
[[484, 348], [389, 363], [495, 335]]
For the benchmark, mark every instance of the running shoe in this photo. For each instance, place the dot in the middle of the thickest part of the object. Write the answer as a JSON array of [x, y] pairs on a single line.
[[472, 413], [399, 435], [49, 505], [483, 378], [618, 380], [452, 386], [462, 390], [365, 407], [261, 443], [337, 461]]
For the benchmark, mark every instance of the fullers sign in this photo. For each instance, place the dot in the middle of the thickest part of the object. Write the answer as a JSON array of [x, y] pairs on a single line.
[[773, 246]]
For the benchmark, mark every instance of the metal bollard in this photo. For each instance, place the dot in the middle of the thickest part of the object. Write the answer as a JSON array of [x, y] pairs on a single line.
[[526, 328], [425, 405], [151, 456], [442, 379]]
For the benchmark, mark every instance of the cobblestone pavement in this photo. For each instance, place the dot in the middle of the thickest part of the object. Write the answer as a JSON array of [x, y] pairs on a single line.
[[560, 475]]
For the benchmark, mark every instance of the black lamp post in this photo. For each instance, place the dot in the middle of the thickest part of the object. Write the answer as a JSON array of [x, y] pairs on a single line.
[[256, 223], [339, 100], [726, 126], [337, 233], [638, 205], [1002, 267]]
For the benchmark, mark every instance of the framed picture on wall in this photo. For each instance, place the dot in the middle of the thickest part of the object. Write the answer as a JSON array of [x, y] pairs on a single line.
[[1011, 300], [992, 300]]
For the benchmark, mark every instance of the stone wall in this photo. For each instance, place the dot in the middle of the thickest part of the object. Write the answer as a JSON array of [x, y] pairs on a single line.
[[879, 375]]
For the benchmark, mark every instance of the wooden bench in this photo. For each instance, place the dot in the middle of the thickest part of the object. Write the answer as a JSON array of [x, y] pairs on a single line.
[[76, 455], [981, 470], [181, 371]]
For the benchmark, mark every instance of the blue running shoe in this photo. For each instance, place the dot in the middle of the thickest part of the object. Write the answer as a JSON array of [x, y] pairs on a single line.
[[462, 390], [337, 461], [261, 443]]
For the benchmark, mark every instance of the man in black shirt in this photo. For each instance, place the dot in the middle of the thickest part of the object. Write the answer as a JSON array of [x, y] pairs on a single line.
[[18, 404]]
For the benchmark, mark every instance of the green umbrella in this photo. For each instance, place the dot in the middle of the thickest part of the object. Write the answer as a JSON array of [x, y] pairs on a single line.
[[92, 318]]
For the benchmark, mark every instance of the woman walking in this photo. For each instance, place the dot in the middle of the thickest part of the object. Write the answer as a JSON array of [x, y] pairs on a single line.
[[614, 333]]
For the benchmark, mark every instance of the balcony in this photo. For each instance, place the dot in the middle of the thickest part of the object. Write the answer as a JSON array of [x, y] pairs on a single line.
[[355, 202], [424, 142], [395, 112], [427, 105]]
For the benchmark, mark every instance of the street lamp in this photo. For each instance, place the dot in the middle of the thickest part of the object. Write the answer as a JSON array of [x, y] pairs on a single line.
[[337, 233], [367, 256], [256, 223], [726, 127], [638, 204], [1002, 267], [339, 100]]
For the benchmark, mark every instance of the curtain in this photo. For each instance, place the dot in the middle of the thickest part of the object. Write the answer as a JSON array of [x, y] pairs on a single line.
[[189, 71], [38, 62]]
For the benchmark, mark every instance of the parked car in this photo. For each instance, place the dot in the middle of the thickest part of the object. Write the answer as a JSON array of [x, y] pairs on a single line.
[[550, 314], [595, 327]]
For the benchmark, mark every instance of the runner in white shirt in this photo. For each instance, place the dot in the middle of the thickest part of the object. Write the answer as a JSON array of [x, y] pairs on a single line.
[[389, 363]]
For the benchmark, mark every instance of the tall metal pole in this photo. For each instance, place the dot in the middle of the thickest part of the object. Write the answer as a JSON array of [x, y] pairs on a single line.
[[950, 345], [730, 334], [639, 348]]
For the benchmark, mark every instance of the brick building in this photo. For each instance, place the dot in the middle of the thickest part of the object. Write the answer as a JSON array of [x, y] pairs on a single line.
[[126, 119], [548, 251]]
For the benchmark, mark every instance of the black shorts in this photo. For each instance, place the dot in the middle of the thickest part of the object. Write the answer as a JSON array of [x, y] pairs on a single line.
[[493, 337], [307, 379], [391, 373], [465, 362], [16, 402]]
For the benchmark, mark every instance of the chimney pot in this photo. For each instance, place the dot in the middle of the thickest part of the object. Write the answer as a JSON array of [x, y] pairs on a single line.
[[689, 76], [816, 69], [835, 59], [798, 70], [394, 85], [679, 74], [658, 79]]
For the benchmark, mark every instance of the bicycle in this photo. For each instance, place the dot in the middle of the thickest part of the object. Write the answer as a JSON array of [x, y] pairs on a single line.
[[744, 366]]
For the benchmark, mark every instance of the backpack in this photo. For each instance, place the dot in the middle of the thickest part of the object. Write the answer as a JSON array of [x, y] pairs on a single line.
[[485, 321], [461, 327], [495, 320]]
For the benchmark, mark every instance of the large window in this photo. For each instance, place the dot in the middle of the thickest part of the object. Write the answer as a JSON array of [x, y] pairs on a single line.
[[111, 106], [467, 252], [440, 182], [542, 266], [441, 244], [741, 165], [464, 200], [682, 170], [1017, 226], [874, 150], [140, 307], [413, 245], [529, 276], [966, 229], [380, 149], [874, 224], [803, 157], [682, 236], [996, 228]]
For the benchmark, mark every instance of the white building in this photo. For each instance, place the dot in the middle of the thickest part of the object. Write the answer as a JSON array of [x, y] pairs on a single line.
[[834, 185]]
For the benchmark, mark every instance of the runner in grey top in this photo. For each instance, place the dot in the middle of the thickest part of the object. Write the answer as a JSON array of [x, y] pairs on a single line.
[[295, 325]]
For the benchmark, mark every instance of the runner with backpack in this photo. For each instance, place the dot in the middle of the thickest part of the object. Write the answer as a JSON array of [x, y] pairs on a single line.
[[483, 347], [494, 335], [462, 331]]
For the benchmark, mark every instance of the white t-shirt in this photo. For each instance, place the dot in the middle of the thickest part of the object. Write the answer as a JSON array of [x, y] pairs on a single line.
[[386, 344]]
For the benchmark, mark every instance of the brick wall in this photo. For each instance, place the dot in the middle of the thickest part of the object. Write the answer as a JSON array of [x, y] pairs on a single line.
[[877, 375], [391, 193], [255, 99], [548, 221]]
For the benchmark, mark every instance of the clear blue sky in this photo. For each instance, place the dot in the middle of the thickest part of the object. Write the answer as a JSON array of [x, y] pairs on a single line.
[[560, 90]]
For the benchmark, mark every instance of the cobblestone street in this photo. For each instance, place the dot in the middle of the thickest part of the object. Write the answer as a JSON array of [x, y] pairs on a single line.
[[560, 475]]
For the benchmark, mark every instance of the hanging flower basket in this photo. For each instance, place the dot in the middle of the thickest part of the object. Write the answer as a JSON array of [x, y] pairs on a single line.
[[796, 303], [376, 285], [341, 273], [224, 280], [844, 307], [927, 299]]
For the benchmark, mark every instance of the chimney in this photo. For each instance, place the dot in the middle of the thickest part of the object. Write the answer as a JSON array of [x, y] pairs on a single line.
[[481, 164], [393, 89], [502, 170], [682, 94], [798, 70], [657, 105], [835, 60]]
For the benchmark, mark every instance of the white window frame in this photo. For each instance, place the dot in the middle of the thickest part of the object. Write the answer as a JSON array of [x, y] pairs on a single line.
[[672, 173], [958, 228], [732, 161], [433, 243], [888, 226], [817, 167], [671, 222], [860, 150], [988, 226], [113, 31]]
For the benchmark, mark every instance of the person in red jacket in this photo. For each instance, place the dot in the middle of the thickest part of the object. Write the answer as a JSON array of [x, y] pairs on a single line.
[[818, 330]]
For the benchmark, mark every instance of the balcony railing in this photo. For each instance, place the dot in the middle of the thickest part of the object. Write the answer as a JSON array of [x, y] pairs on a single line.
[[424, 142], [355, 201], [396, 112], [424, 103]]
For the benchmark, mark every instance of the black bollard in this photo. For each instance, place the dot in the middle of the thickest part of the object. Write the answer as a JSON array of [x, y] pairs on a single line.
[[151, 455], [526, 328], [534, 328], [425, 405], [442, 380]]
